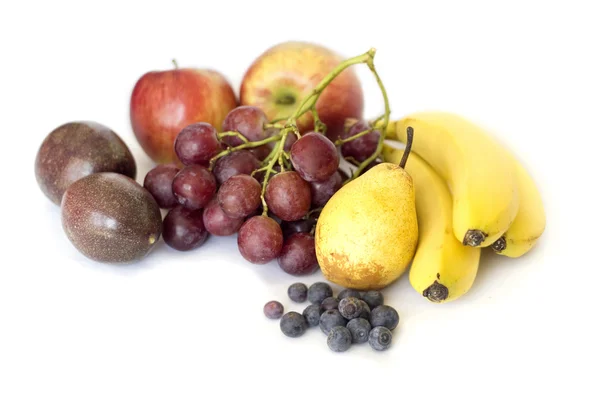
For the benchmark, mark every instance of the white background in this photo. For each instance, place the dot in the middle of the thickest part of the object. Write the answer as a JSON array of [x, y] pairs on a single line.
[[190, 325]]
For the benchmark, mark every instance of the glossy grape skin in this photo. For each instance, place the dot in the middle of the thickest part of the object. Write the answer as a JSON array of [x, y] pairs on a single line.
[[217, 222], [314, 157], [194, 186], [298, 256], [239, 196], [300, 226], [321, 192], [197, 144], [247, 120], [159, 182], [360, 149], [288, 196], [260, 240], [183, 229], [239, 162]]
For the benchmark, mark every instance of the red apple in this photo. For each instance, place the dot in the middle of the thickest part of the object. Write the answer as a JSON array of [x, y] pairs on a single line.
[[165, 102], [282, 76]]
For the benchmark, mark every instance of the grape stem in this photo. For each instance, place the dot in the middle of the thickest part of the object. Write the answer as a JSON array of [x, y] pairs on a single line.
[[275, 156], [232, 133], [248, 145], [386, 120], [353, 137]]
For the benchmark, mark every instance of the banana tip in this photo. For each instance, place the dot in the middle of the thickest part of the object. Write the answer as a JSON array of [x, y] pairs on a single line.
[[436, 292], [499, 245], [474, 237]]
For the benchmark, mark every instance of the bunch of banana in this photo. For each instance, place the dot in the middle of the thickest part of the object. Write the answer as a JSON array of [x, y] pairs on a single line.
[[471, 193]]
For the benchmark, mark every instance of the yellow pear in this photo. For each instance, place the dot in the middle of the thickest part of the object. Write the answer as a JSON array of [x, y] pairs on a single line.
[[367, 233]]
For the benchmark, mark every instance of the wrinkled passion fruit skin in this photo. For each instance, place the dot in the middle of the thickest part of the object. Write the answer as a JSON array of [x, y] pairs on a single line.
[[111, 218], [78, 149]]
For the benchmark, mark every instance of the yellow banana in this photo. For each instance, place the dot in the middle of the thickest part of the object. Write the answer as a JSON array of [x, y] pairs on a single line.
[[530, 222], [443, 269], [479, 171]]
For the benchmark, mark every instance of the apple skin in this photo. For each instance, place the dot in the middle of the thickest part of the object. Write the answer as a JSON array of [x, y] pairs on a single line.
[[165, 102], [280, 78]]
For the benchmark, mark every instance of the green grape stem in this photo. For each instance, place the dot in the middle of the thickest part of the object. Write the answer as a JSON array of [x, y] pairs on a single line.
[[232, 133], [247, 145], [339, 142]]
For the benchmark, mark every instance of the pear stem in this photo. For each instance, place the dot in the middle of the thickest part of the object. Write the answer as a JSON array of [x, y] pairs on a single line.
[[175, 63], [409, 139]]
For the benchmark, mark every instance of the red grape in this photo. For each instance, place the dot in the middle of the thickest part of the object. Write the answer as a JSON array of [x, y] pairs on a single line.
[[360, 149], [238, 162], [314, 157], [217, 222], [260, 240], [194, 186], [298, 256], [239, 196], [183, 229], [247, 120], [302, 225], [261, 152], [159, 182], [197, 144], [288, 196], [321, 192]]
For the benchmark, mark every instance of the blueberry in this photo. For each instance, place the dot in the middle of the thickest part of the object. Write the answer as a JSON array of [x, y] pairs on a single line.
[[339, 339], [273, 309], [293, 324], [359, 328], [384, 316], [298, 292], [319, 291], [373, 298], [366, 310], [330, 303], [350, 308], [349, 293], [331, 318], [312, 314], [380, 338]]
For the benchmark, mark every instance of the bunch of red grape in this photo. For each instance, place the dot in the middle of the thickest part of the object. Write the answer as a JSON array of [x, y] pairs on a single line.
[[220, 189]]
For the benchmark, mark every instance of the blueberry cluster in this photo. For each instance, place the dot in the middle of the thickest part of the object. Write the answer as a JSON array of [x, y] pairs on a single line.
[[352, 317]]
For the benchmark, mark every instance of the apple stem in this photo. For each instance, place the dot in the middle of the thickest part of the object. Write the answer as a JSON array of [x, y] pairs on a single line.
[[175, 63], [409, 140]]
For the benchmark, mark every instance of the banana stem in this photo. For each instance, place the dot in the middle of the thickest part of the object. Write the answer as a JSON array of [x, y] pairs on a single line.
[[409, 139]]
